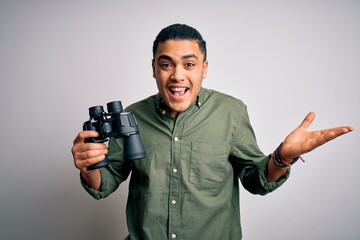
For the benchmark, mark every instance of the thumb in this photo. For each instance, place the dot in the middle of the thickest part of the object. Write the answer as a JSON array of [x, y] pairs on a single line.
[[307, 120]]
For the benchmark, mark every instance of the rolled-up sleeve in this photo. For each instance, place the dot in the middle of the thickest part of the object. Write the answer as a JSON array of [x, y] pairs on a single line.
[[249, 162], [114, 174]]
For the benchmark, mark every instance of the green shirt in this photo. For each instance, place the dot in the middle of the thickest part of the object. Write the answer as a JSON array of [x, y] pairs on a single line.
[[187, 187]]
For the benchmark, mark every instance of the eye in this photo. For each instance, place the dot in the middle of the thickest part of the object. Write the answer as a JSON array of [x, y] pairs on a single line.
[[165, 65], [190, 64]]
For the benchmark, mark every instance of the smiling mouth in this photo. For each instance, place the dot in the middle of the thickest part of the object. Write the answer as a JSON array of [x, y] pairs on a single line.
[[178, 91]]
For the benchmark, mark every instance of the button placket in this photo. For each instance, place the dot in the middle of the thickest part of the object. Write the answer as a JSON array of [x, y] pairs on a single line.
[[175, 179]]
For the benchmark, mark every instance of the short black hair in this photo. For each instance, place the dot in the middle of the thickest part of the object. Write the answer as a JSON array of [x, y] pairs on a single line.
[[180, 32]]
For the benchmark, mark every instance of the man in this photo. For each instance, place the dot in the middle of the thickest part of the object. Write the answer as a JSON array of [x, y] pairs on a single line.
[[198, 143]]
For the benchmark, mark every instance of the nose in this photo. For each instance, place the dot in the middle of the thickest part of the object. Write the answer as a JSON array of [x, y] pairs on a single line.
[[178, 74]]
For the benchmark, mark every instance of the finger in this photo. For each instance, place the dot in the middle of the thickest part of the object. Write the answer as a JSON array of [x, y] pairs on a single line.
[[79, 149], [327, 135], [90, 146], [85, 159], [308, 120], [80, 154], [336, 132], [83, 135], [83, 164]]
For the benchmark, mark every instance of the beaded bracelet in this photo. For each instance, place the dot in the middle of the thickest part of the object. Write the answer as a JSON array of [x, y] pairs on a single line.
[[279, 161]]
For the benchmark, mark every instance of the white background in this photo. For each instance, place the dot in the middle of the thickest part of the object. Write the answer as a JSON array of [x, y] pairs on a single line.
[[282, 58]]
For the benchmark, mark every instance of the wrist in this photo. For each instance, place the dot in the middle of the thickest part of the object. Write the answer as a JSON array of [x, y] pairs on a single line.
[[282, 162], [92, 178]]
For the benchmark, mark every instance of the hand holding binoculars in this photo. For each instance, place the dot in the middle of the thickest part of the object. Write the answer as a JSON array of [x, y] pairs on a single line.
[[115, 123]]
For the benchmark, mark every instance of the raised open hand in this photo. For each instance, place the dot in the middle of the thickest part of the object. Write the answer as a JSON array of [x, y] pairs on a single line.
[[301, 140]]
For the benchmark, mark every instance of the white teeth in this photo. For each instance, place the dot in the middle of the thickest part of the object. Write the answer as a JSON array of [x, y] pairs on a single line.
[[178, 89]]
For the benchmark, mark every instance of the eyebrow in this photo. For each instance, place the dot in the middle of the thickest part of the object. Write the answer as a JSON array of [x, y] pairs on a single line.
[[167, 57]]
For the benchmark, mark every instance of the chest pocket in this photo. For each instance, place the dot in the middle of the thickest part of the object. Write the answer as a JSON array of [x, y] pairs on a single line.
[[208, 166]]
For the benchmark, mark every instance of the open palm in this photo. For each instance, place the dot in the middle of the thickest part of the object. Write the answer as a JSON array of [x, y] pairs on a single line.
[[301, 140]]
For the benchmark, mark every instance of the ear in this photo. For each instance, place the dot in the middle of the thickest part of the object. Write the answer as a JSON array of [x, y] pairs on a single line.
[[205, 68], [153, 68]]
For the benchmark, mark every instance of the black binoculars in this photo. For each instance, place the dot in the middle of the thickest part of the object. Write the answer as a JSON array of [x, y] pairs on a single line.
[[115, 123]]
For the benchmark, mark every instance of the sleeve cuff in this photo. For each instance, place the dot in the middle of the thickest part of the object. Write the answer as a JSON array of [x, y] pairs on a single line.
[[273, 185], [106, 186]]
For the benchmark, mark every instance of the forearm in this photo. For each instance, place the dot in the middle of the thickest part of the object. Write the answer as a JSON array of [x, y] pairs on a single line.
[[93, 178]]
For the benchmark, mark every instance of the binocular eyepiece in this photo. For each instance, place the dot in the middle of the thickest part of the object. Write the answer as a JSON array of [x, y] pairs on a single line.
[[115, 123]]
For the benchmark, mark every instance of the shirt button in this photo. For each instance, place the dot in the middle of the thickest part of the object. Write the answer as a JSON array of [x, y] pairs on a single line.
[[173, 202], [173, 235], [174, 170], [176, 139], [163, 112]]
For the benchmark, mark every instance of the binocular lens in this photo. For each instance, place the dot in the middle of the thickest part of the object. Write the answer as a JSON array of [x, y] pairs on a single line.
[[134, 148], [114, 107], [95, 111]]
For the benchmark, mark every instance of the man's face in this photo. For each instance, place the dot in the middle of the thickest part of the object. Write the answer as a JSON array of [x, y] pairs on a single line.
[[179, 69]]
